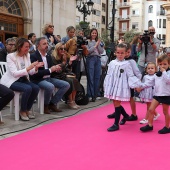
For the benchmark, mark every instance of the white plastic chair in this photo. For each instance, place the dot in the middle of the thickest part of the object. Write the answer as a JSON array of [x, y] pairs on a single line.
[[0, 117], [15, 101], [2, 71], [41, 101]]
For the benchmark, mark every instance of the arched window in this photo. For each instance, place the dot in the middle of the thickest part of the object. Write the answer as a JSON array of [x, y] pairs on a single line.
[[10, 6], [150, 23], [150, 9]]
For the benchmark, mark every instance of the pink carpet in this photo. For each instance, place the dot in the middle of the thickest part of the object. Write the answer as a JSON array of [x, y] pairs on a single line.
[[83, 143]]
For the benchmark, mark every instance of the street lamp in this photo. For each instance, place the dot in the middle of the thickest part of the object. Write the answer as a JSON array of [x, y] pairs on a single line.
[[84, 7]]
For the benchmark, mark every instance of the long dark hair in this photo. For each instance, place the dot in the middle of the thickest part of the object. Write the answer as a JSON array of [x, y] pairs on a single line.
[[91, 32]]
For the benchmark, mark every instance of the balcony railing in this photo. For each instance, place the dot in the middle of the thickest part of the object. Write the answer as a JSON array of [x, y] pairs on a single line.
[[122, 30], [123, 4], [123, 18]]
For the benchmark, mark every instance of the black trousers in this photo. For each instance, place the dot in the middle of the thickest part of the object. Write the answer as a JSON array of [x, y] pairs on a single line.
[[6, 95]]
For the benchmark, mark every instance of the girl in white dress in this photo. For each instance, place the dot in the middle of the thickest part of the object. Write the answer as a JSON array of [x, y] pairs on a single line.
[[146, 95], [117, 83]]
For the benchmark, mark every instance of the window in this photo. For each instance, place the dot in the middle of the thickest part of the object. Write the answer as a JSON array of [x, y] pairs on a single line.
[[11, 6], [124, 26], [103, 7], [135, 12], [96, 12], [159, 23], [97, 1], [103, 19], [164, 23], [124, 14], [97, 25], [150, 10], [164, 38], [162, 10], [77, 19], [135, 25], [150, 23], [8, 26]]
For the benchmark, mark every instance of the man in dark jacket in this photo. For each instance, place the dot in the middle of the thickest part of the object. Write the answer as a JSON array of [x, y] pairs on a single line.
[[43, 77]]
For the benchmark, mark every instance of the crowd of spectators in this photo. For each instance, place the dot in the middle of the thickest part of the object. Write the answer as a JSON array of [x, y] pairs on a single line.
[[55, 64]]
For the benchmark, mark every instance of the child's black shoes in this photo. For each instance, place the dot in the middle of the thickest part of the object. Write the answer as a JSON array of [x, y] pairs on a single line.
[[146, 128], [113, 128], [164, 130]]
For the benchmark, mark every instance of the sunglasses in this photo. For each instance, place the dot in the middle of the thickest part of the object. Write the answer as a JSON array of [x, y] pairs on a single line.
[[51, 26], [62, 48], [11, 44]]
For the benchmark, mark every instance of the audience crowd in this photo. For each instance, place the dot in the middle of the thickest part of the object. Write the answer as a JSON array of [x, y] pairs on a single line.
[[55, 64]]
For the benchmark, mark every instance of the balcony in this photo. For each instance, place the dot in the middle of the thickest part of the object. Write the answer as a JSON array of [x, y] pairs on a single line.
[[123, 4], [120, 18], [162, 12], [123, 30]]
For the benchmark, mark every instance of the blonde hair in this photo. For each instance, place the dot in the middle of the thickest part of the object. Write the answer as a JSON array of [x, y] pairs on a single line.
[[44, 29]]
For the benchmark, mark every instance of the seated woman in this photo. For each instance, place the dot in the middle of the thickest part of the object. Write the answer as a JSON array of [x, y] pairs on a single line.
[[59, 56], [17, 76]]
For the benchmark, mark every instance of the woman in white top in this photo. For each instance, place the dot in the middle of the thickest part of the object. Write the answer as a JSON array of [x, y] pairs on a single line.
[[17, 76]]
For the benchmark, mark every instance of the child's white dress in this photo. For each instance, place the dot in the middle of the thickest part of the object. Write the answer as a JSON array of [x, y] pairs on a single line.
[[146, 94], [119, 80]]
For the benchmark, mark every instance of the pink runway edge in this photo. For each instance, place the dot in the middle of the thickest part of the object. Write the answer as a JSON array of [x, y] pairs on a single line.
[[83, 143]]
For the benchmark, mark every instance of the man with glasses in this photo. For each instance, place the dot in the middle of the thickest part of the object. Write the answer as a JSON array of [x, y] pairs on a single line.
[[9, 48]]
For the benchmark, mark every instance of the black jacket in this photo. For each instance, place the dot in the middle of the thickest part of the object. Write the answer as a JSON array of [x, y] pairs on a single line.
[[41, 70], [3, 54]]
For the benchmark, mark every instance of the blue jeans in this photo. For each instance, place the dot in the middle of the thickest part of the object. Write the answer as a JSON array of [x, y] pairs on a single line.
[[29, 93], [49, 85], [93, 73]]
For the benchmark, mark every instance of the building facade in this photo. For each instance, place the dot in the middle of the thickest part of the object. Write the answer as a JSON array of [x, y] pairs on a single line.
[[21, 17]]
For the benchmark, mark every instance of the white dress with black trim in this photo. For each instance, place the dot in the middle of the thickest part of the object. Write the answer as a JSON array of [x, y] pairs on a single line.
[[119, 80], [146, 94]]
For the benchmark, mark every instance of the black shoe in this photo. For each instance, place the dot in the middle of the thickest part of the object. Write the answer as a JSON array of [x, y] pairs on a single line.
[[113, 128], [123, 121], [132, 118], [164, 130], [146, 128], [111, 116]]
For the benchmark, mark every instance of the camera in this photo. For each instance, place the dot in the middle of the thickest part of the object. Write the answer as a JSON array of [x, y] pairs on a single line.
[[145, 38], [81, 41]]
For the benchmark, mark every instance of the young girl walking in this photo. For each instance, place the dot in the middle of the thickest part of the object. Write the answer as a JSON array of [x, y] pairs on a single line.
[[146, 95], [138, 74], [119, 79], [161, 81]]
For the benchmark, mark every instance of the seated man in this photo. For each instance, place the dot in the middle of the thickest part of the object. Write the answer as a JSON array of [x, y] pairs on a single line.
[[9, 48], [43, 77], [6, 95]]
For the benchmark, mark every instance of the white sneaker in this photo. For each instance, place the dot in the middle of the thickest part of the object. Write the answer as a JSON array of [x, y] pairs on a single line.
[[98, 98], [156, 117], [144, 121]]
